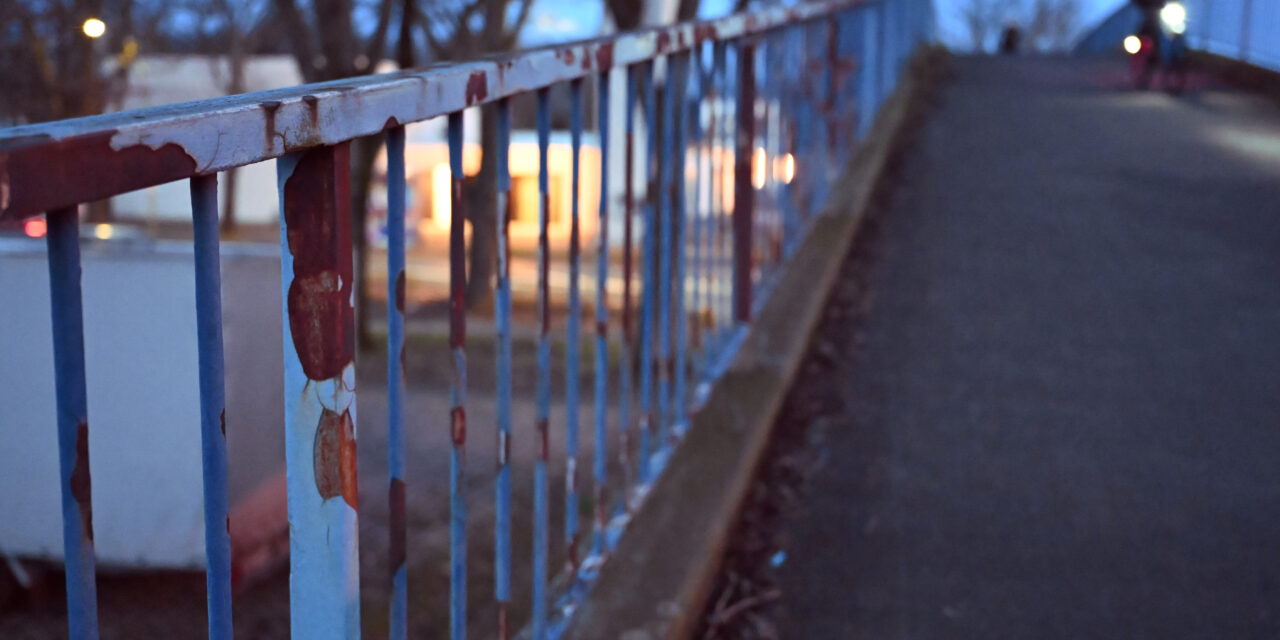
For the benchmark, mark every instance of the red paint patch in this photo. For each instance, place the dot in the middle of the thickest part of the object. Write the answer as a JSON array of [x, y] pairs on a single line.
[[335, 457], [458, 426], [81, 488], [477, 87], [400, 291], [664, 41], [395, 500], [604, 56], [58, 173], [318, 232]]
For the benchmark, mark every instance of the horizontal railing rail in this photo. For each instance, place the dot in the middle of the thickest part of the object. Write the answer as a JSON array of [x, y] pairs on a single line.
[[733, 131]]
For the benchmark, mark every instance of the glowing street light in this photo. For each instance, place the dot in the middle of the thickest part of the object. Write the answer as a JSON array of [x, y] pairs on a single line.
[[94, 28], [1132, 44]]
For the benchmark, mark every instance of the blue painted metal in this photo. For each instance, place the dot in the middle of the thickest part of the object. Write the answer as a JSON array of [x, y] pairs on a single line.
[[744, 192], [396, 285], [648, 264], [458, 389], [572, 332], [73, 422], [319, 392], [502, 311], [213, 423], [868, 79], [541, 517], [665, 257], [601, 449], [696, 271], [625, 365], [679, 399], [693, 116]]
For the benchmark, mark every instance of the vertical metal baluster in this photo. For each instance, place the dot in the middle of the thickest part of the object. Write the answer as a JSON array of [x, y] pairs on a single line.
[[600, 459], [73, 422], [396, 287], [693, 116], [744, 190], [628, 341], [681, 73], [715, 285], [666, 190], [725, 218], [572, 333], [213, 417], [647, 294], [540, 518], [867, 76], [458, 388], [502, 313], [320, 392]]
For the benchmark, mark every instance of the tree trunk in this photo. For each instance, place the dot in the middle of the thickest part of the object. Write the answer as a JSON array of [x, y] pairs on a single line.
[[481, 211]]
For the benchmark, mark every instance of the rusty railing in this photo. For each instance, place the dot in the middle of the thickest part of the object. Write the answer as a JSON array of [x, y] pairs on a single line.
[[734, 130]]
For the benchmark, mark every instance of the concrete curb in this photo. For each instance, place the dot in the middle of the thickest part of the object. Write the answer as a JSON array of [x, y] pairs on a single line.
[[656, 583]]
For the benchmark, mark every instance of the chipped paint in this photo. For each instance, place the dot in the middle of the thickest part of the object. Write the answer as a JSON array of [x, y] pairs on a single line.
[[335, 457], [80, 481], [477, 87]]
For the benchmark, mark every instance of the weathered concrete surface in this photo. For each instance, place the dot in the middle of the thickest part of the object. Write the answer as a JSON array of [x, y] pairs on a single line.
[[1065, 421]]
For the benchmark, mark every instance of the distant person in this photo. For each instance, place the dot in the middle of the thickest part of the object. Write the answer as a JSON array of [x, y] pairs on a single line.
[[1149, 27], [1009, 38]]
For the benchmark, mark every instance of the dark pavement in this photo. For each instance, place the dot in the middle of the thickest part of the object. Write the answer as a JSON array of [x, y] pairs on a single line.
[[1065, 419]]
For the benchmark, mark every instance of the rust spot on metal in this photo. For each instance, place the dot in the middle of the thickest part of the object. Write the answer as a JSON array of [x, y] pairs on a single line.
[[704, 32], [222, 418], [604, 56], [318, 231], [602, 329], [395, 500], [269, 124], [566, 55], [477, 87], [334, 458], [664, 41], [458, 425], [400, 291], [81, 488], [58, 173], [312, 111], [543, 441]]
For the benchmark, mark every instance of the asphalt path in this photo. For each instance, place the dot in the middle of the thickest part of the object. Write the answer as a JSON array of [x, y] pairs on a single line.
[[1065, 420]]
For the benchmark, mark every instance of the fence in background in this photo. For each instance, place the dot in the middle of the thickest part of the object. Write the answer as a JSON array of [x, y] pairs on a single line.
[[1247, 30], [746, 121]]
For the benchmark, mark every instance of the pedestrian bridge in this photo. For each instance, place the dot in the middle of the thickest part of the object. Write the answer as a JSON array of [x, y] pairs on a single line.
[[1012, 316]]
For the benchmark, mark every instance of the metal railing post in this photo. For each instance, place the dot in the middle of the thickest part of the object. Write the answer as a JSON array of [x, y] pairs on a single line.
[[396, 284], [73, 422], [213, 417], [744, 190], [319, 392]]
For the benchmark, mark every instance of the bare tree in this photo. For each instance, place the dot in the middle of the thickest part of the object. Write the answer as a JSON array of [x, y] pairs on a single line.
[[459, 32]]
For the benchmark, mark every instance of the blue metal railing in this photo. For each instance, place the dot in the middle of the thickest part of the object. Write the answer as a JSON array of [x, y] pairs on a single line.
[[745, 122]]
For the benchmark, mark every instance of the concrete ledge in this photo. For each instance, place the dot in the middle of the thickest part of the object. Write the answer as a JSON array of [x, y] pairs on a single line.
[[656, 583]]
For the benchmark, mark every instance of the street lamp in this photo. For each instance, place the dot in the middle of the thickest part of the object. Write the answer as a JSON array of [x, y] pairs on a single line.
[[94, 28]]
